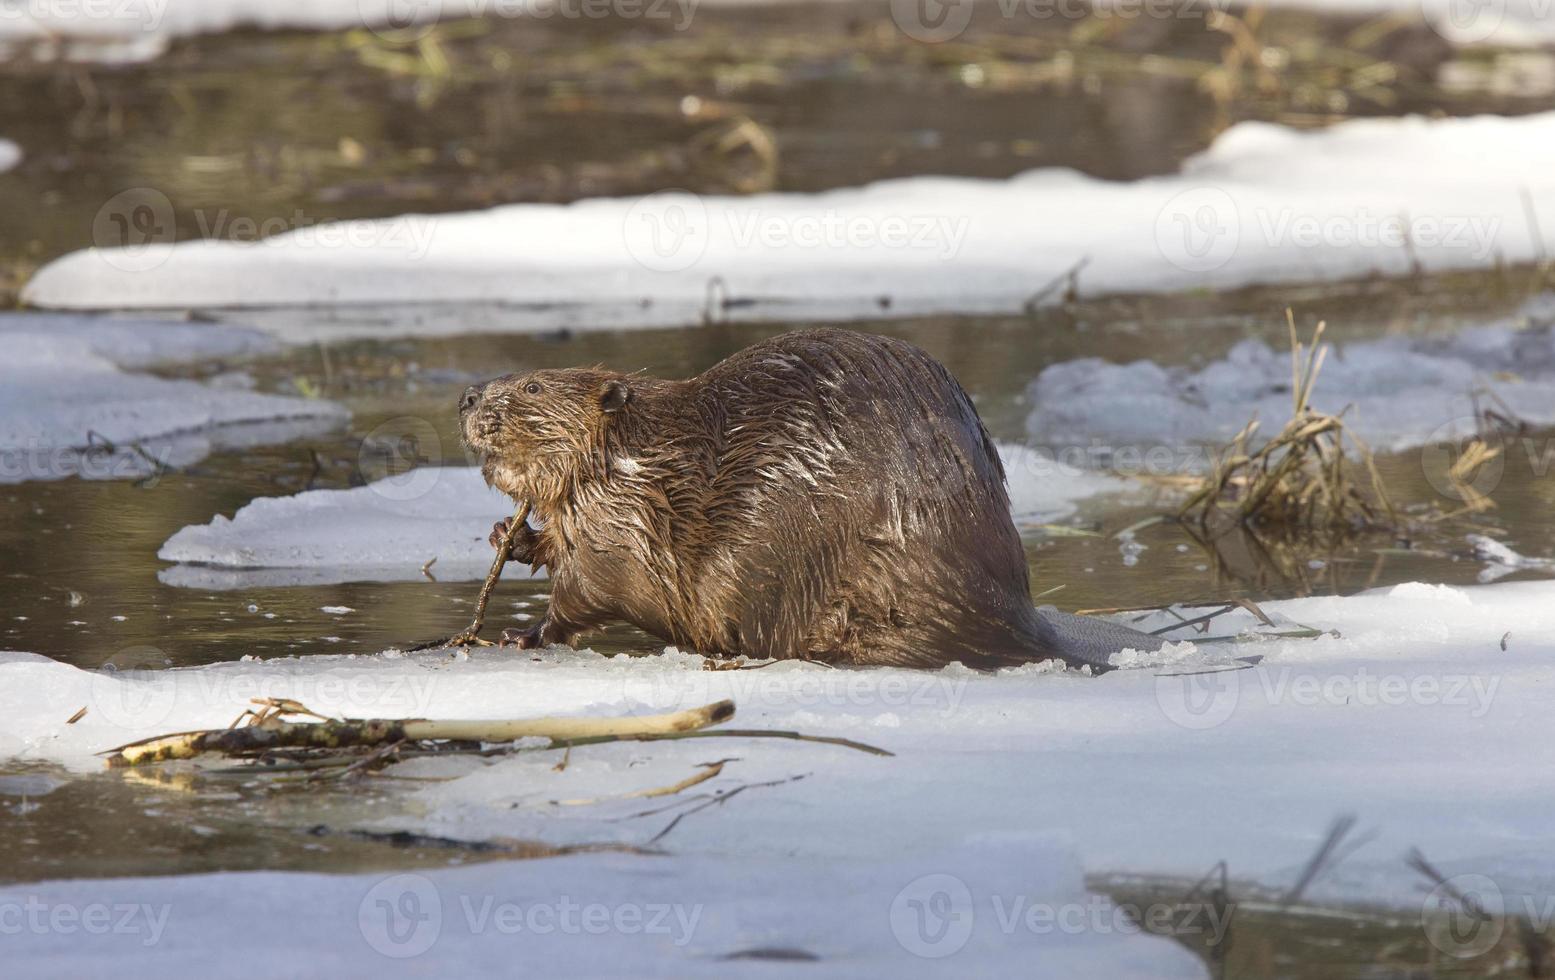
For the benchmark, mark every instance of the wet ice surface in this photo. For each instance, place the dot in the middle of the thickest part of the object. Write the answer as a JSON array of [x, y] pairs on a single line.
[[1394, 700], [73, 402], [1264, 204]]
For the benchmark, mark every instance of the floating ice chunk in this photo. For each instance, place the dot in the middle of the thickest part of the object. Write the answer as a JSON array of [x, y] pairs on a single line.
[[57, 339], [1501, 560], [1396, 393], [385, 531], [68, 409], [1043, 487]]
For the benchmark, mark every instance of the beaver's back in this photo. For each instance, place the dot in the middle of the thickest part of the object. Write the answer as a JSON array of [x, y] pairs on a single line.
[[813, 403], [856, 492]]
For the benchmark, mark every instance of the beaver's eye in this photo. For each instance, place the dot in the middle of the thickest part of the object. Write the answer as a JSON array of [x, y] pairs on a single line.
[[532, 387]]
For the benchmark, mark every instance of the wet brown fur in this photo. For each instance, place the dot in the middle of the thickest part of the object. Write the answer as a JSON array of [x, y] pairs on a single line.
[[825, 494]]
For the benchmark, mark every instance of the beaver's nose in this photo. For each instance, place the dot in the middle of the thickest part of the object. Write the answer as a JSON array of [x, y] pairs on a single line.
[[470, 398]]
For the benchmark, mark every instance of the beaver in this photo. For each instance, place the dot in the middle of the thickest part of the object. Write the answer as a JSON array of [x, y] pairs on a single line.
[[827, 495]]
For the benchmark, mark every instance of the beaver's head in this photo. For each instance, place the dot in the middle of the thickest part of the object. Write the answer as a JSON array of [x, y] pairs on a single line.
[[540, 432]]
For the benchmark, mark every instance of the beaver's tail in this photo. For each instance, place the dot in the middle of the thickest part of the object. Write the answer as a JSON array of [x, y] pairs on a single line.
[[1033, 634], [1084, 641]]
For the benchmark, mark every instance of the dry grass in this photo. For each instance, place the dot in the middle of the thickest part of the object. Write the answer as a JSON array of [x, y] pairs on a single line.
[[1302, 479], [1316, 478]]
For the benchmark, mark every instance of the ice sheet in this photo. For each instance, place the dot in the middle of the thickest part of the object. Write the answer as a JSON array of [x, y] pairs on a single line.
[[1396, 393], [68, 406]]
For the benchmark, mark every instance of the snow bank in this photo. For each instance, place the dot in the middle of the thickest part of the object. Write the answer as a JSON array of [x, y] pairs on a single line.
[[68, 409], [1428, 711], [1400, 393], [1503, 22], [1263, 204], [135, 30], [386, 530]]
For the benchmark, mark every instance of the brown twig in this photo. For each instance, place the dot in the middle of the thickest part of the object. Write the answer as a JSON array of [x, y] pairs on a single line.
[[470, 636]]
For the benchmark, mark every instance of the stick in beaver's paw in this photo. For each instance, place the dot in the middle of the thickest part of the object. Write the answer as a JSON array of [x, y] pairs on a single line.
[[825, 495]]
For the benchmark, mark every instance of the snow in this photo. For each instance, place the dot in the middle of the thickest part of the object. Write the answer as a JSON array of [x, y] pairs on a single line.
[[10, 155], [136, 30], [1423, 709], [64, 390], [1265, 203], [1397, 393], [1503, 22], [386, 530]]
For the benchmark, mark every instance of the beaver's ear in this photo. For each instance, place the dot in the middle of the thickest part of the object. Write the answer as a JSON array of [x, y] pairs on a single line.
[[613, 396]]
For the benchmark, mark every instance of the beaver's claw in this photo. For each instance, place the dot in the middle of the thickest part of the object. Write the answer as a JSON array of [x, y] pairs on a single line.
[[528, 639], [523, 543]]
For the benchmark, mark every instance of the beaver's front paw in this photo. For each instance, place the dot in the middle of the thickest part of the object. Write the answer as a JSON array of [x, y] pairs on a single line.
[[523, 549]]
